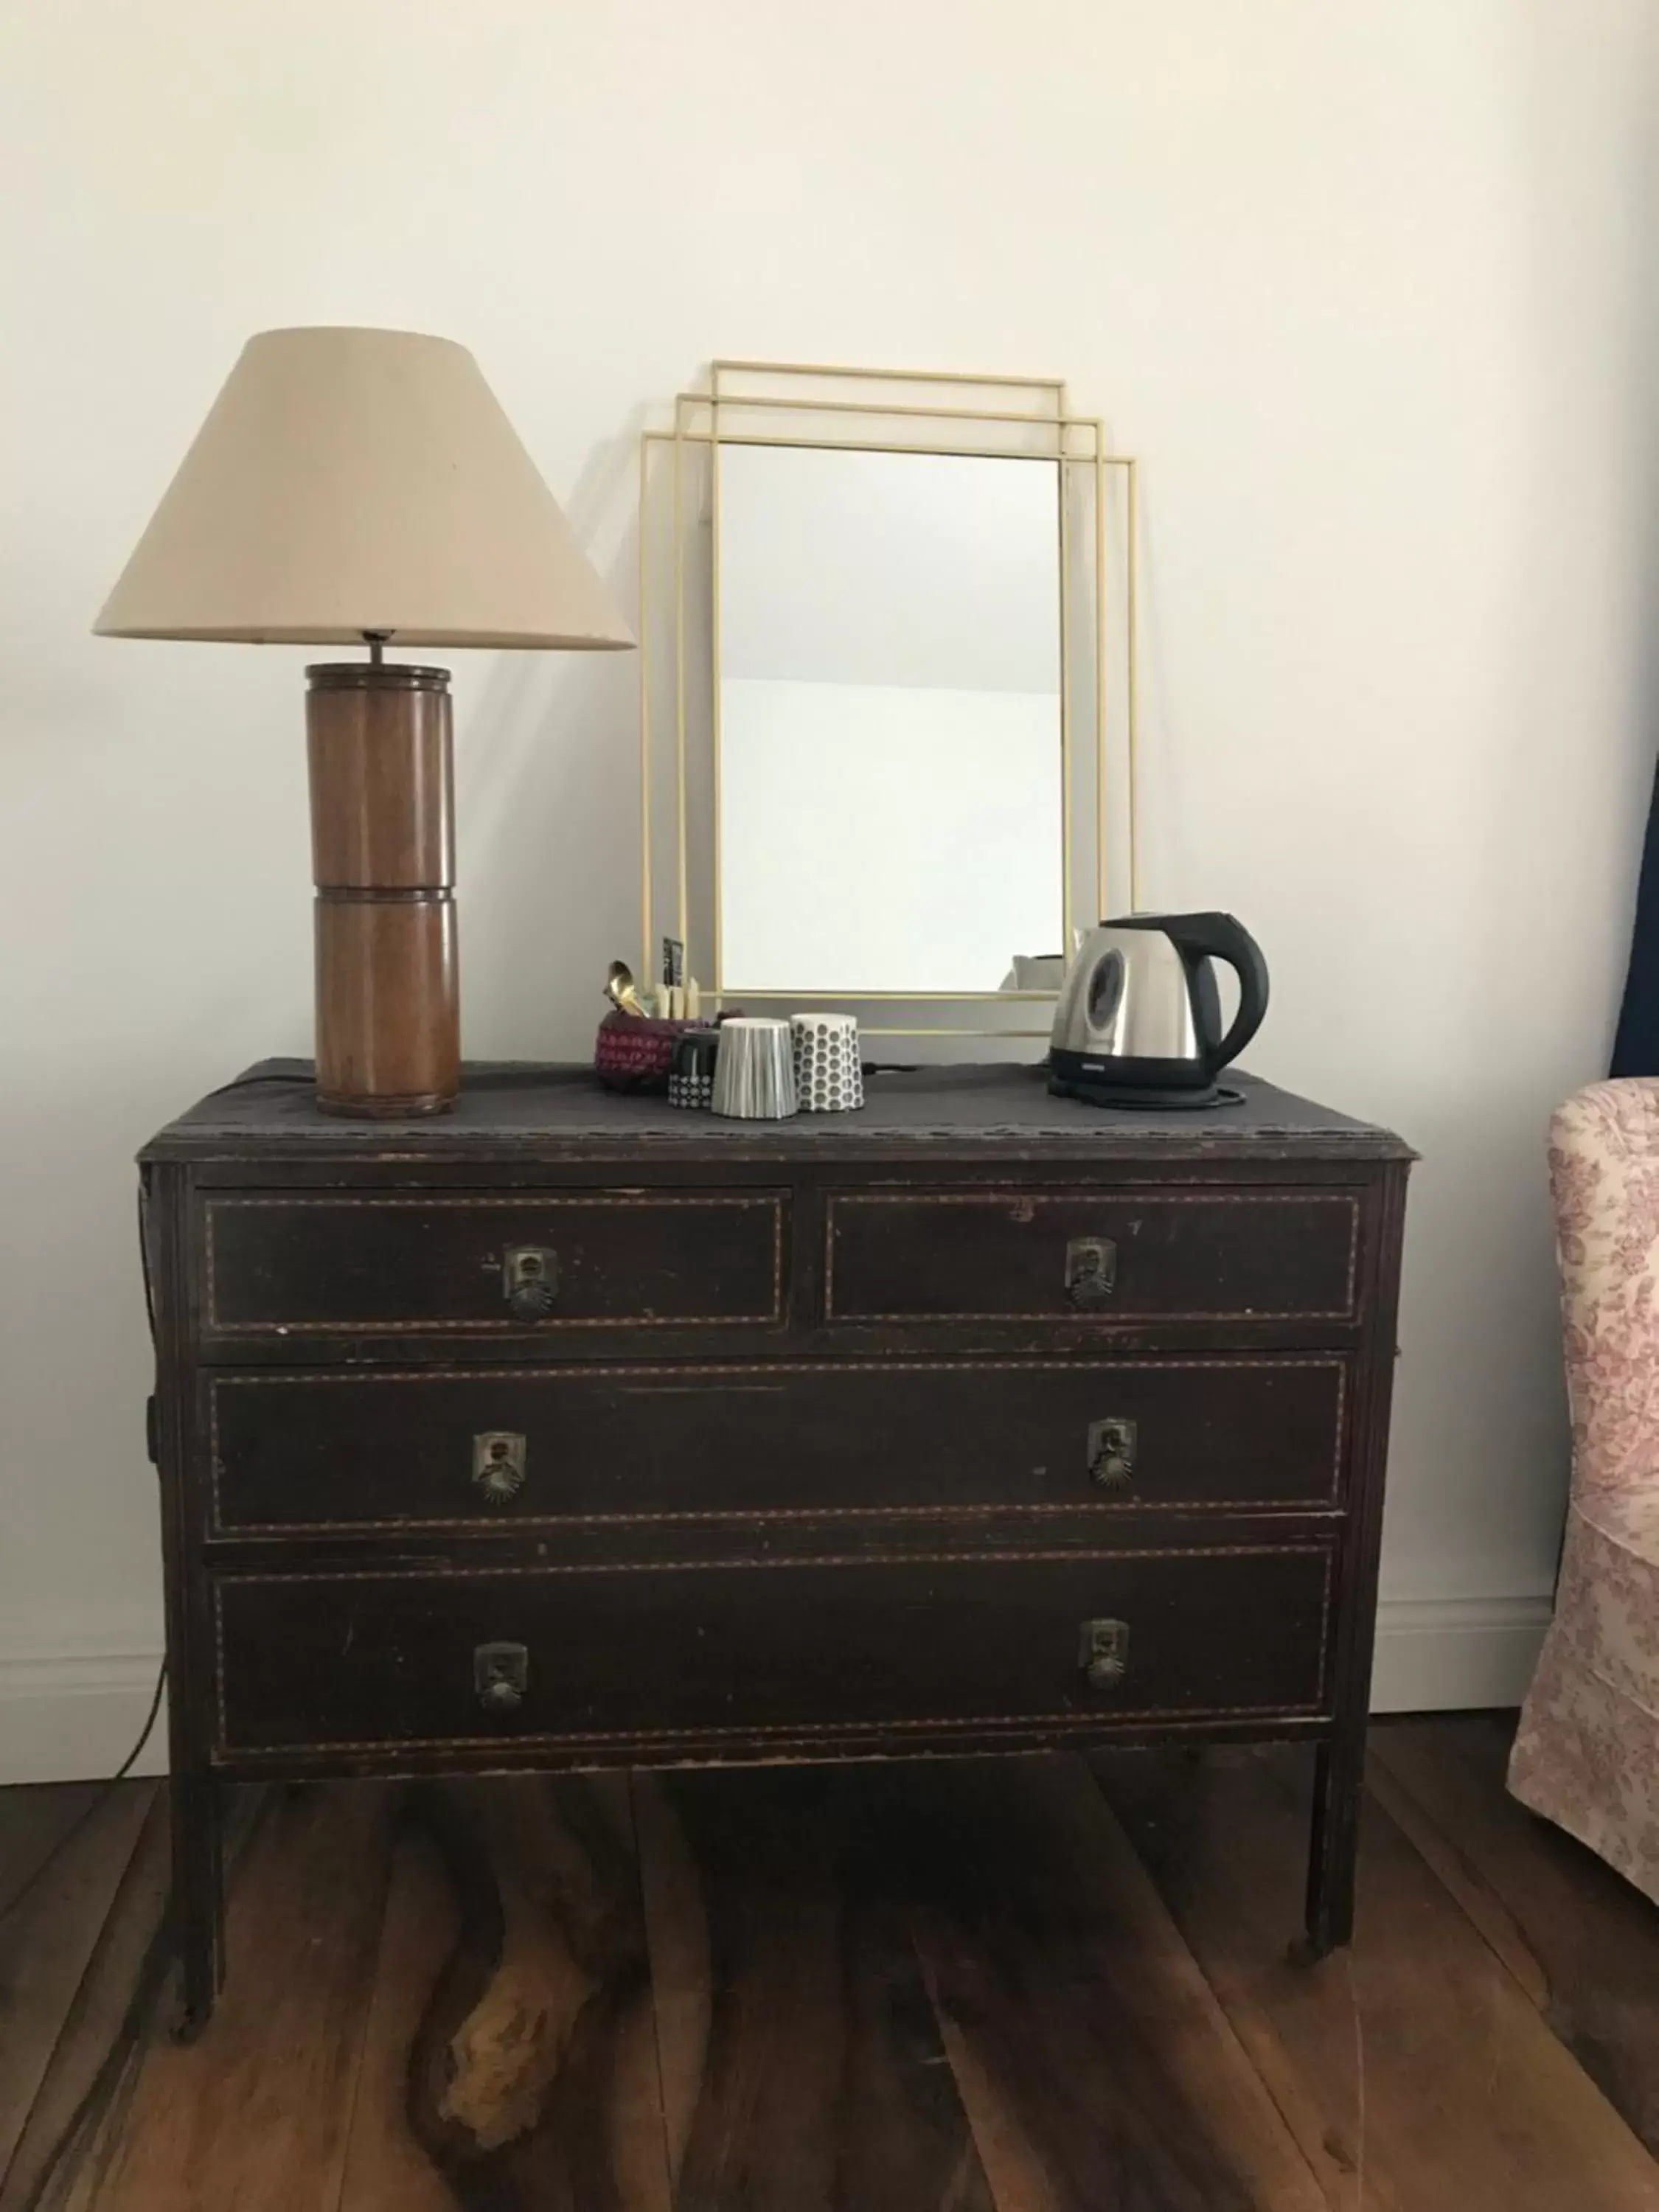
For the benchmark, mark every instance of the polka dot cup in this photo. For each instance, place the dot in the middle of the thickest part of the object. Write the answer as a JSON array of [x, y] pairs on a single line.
[[828, 1075]]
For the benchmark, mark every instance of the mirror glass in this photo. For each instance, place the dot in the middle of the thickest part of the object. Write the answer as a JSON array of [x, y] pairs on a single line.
[[890, 719]]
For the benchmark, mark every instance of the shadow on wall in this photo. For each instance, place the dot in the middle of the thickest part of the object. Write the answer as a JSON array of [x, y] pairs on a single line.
[[547, 762]]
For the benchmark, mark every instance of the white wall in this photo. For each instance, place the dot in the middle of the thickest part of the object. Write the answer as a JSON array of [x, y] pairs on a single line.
[[1369, 285]]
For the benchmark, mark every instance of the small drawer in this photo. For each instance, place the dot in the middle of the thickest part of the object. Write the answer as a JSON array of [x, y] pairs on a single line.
[[491, 1262], [296, 1450], [1106, 1256], [686, 1655]]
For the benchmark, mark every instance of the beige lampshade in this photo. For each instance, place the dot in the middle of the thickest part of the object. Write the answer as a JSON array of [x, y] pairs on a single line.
[[351, 480]]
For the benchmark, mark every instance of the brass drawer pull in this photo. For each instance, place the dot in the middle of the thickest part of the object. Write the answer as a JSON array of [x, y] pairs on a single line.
[[530, 1280], [1112, 1453], [1103, 1653], [1091, 1271], [501, 1676], [498, 1464]]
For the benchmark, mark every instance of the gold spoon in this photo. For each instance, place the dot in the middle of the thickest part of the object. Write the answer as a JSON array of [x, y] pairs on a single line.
[[619, 989]]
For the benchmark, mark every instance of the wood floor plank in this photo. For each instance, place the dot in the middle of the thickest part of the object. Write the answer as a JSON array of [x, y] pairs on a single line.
[[533, 2083], [680, 1968], [77, 2183], [255, 2114], [1580, 1940], [1099, 2072], [682, 1981], [105, 2027], [1416, 2073], [803, 2068], [385, 2166], [47, 1941]]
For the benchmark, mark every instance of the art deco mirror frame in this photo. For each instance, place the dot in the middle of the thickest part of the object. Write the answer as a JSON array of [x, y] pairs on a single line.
[[763, 404]]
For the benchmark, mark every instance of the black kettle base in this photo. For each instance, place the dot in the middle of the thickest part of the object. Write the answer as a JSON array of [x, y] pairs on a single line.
[[1135, 1099]]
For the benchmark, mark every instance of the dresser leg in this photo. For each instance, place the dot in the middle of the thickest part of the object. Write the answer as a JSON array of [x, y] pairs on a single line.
[[1339, 1773], [197, 1899]]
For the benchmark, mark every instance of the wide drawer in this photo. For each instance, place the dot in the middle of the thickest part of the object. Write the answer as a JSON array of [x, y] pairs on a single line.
[[1108, 1255], [488, 1261], [373, 1663], [292, 1450]]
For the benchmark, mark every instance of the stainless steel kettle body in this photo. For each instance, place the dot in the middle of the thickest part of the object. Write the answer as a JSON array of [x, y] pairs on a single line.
[[1138, 1020]]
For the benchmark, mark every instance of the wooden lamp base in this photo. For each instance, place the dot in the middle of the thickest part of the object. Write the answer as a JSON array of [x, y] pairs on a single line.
[[383, 859]]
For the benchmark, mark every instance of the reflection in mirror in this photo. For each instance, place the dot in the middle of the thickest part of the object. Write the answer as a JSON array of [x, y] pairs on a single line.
[[890, 719]]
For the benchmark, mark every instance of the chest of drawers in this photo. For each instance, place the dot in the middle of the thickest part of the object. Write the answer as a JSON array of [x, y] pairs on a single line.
[[569, 1430]]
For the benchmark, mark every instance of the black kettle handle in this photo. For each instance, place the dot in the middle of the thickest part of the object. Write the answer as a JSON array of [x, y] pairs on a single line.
[[1223, 939]]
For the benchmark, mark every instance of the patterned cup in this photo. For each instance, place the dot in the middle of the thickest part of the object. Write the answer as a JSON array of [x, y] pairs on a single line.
[[754, 1076], [828, 1072], [692, 1070]]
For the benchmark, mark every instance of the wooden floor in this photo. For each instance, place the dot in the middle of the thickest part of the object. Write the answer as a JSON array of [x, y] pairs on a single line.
[[1028, 1986]]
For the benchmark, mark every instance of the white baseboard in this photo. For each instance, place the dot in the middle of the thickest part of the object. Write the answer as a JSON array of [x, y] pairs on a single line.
[[70, 1717], [1447, 1654], [74, 1715]]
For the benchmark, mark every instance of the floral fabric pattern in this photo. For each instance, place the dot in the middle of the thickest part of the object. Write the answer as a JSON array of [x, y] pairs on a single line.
[[1587, 1755]]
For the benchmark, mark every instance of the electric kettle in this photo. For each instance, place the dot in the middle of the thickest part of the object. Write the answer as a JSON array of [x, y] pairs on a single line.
[[1138, 1021]]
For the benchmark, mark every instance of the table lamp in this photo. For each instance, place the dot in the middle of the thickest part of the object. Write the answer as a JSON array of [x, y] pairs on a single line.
[[358, 485]]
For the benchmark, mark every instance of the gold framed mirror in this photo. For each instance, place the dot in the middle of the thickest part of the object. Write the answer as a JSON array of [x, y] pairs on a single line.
[[889, 699]]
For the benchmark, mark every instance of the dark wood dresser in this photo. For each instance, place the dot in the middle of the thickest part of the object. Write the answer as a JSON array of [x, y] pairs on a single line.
[[569, 1430]]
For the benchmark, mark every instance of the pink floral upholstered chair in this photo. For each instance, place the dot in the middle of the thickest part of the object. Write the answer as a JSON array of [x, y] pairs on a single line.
[[1588, 1751]]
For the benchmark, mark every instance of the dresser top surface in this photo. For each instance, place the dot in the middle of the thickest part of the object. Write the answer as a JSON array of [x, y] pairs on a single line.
[[509, 1108]]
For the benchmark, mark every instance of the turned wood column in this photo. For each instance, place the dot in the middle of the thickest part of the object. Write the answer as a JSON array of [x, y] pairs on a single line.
[[383, 858]]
